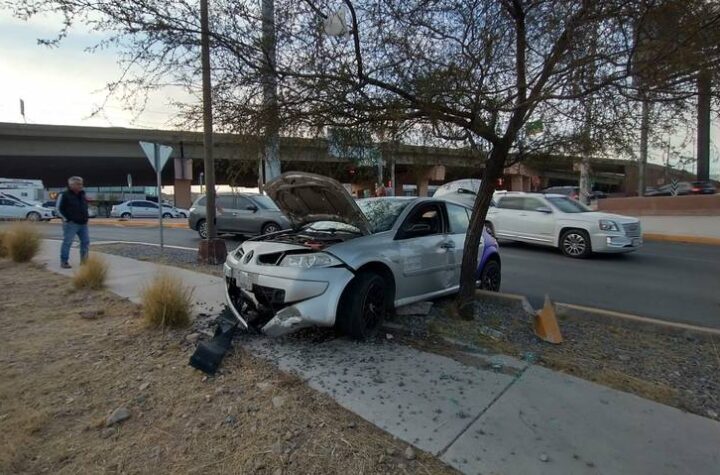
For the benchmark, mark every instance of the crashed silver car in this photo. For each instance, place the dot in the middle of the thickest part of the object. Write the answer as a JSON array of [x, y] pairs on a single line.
[[348, 263]]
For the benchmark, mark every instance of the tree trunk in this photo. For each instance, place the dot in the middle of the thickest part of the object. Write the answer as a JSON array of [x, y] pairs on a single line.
[[704, 85], [468, 273], [270, 150], [644, 132]]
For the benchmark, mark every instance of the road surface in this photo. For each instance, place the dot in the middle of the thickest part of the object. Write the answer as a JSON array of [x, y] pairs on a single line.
[[677, 282]]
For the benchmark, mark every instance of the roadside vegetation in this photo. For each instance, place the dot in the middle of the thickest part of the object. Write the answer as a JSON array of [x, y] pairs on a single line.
[[3, 249], [166, 302], [88, 356], [91, 274], [22, 242]]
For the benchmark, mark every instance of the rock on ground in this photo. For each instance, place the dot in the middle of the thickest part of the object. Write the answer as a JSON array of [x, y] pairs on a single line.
[[118, 415]]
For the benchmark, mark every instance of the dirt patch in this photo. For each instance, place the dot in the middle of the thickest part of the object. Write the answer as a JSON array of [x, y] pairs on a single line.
[[69, 359], [679, 370]]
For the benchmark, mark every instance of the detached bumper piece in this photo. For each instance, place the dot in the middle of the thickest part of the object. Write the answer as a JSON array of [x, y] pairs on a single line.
[[208, 355]]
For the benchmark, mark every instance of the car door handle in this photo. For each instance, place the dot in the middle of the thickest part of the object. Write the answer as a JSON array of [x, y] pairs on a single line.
[[448, 245]]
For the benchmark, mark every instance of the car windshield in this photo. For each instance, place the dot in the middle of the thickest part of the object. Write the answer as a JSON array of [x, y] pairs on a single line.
[[265, 202], [382, 212], [566, 205]]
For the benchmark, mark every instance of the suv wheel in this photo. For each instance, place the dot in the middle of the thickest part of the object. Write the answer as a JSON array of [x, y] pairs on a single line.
[[363, 306], [202, 229], [126, 215], [575, 243]]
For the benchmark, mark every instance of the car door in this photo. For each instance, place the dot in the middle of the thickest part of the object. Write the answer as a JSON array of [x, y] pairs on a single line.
[[458, 222], [226, 214], [537, 220], [249, 219], [424, 252], [506, 217], [10, 209]]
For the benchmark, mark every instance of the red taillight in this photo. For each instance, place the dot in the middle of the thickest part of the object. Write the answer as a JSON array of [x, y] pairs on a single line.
[[696, 189]]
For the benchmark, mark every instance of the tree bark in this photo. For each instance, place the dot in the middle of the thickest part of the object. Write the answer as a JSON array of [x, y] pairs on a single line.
[[209, 163], [270, 151], [644, 132], [468, 274], [704, 86]]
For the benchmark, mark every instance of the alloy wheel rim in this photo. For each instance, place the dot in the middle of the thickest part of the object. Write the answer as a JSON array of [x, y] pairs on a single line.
[[203, 230], [373, 305], [271, 229], [574, 244], [492, 279]]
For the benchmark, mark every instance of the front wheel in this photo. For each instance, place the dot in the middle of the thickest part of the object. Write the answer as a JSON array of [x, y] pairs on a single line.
[[33, 216], [126, 215], [575, 243], [167, 215], [363, 306], [270, 228], [490, 276], [202, 229]]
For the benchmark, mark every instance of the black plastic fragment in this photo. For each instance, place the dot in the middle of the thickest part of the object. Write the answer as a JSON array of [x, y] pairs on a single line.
[[209, 354]]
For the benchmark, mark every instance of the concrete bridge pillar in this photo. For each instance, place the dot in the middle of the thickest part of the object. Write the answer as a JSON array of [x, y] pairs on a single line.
[[183, 195], [425, 174]]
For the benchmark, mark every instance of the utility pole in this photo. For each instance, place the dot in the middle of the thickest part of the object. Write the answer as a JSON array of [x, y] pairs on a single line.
[[270, 148], [212, 250]]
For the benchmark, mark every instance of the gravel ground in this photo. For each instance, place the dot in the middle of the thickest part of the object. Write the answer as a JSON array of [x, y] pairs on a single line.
[[679, 370], [172, 257]]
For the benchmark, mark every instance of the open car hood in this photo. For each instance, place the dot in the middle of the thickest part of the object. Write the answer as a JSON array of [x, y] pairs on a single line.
[[307, 198]]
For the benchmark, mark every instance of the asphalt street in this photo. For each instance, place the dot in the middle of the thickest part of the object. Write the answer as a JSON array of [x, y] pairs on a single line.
[[677, 282]]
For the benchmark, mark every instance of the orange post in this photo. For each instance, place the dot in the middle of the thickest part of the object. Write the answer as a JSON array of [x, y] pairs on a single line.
[[546, 323]]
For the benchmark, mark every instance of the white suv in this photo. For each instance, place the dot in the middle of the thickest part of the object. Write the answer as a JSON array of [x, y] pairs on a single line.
[[558, 221]]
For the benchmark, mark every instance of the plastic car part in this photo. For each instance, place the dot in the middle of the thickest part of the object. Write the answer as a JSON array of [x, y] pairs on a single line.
[[209, 355]]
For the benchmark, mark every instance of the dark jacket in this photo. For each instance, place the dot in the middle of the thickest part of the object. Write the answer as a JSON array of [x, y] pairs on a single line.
[[73, 207]]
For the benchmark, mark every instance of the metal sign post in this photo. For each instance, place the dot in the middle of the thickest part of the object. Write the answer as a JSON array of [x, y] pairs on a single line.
[[158, 156]]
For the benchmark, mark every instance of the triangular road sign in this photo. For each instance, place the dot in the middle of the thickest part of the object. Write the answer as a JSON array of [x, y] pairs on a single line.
[[163, 154]]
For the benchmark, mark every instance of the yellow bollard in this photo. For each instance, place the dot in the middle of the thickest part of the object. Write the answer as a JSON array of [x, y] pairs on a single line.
[[546, 323]]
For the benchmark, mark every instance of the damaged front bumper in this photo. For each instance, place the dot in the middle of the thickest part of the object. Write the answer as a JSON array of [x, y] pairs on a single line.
[[277, 304]]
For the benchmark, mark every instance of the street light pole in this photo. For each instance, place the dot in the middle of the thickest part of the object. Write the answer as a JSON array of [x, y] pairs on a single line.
[[212, 250]]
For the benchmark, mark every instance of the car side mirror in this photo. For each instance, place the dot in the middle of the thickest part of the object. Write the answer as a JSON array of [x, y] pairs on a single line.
[[543, 209], [252, 208]]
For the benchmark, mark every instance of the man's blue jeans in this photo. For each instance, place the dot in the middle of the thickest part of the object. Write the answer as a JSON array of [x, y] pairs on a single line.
[[69, 232]]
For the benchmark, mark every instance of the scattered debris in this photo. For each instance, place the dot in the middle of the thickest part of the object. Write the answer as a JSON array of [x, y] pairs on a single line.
[[91, 314], [390, 452], [544, 458], [263, 386], [491, 333], [208, 355], [389, 336], [192, 338], [118, 415], [144, 386], [419, 308]]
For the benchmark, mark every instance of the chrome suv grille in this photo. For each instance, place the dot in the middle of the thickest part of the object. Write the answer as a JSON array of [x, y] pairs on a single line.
[[632, 230]]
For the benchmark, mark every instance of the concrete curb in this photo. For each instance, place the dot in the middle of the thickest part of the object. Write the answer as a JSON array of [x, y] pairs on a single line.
[[682, 239], [132, 223], [600, 315]]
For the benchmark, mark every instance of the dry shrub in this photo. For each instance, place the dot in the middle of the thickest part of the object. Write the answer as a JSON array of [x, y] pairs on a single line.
[[3, 249], [166, 302], [91, 274], [22, 242]]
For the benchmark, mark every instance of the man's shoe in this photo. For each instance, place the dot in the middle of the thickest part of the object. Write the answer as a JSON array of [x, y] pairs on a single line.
[[65, 265]]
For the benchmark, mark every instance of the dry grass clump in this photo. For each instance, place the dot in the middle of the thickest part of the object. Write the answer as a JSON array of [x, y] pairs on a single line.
[[91, 274], [22, 242], [166, 302], [3, 249]]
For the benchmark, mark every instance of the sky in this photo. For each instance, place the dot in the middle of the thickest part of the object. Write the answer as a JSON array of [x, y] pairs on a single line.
[[65, 84]]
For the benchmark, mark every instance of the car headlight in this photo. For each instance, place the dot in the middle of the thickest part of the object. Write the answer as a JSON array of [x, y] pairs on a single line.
[[607, 225], [307, 261]]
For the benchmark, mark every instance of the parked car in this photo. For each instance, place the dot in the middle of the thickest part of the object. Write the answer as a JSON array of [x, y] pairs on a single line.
[[183, 213], [558, 221], [141, 209], [348, 263], [681, 188], [242, 213], [702, 188], [569, 191], [52, 206], [18, 209]]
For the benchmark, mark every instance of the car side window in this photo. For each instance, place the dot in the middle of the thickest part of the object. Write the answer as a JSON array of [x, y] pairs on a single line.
[[226, 201], [532, 204], [243, 203], [4, 202], [149, 204], [458, 218], [510, 202], [425, 220]]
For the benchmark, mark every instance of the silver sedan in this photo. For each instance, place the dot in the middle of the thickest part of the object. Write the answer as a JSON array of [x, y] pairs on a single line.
[[349, 263]]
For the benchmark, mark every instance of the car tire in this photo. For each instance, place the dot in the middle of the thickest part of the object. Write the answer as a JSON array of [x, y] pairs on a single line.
[[167, 215], [269, 228], [575, 243], [363, 306], [33, 216], [490, 276], [202, 229], [126, 215], [183, 215]]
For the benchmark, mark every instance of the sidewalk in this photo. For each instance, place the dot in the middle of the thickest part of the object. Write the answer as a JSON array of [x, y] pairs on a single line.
[[519, 419], [176, 223], [692, 229]]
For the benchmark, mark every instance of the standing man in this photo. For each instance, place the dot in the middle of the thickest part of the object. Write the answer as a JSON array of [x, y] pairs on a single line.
[[72, 207]]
